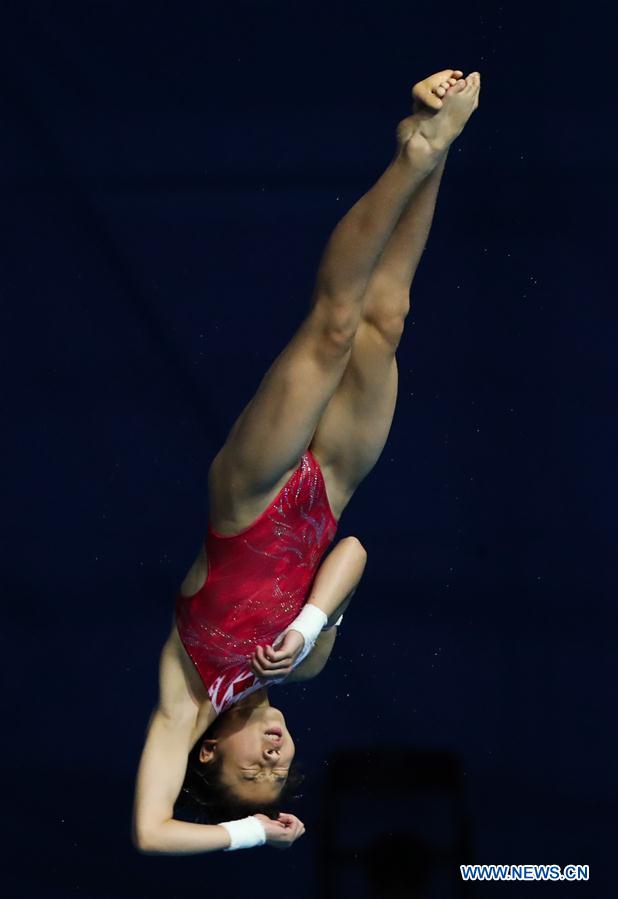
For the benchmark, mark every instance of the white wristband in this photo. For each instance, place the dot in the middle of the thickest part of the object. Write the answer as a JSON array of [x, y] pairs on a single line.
[[336, 624], [245, 833], [309, 622]]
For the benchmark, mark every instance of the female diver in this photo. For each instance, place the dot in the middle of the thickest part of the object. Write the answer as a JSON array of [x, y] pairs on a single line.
[[254, 609]]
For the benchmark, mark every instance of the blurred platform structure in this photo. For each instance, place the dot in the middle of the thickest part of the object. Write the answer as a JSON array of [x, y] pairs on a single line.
[[394, 824]]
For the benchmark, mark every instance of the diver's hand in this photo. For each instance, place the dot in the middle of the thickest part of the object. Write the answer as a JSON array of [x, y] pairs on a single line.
[[269, 663], [283, 832]]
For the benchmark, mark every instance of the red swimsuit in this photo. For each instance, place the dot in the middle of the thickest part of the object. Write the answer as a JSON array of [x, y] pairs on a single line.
[[257, 583]]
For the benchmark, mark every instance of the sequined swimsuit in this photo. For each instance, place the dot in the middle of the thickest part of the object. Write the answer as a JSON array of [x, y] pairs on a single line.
[[257, 583]]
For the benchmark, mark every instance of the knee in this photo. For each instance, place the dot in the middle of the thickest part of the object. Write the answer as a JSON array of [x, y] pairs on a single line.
[[390, 323], [338, 320], [386, 307], [340, 339]]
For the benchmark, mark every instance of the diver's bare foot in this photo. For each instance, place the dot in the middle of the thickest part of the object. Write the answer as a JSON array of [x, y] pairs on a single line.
[[430, 91], [424, 136]]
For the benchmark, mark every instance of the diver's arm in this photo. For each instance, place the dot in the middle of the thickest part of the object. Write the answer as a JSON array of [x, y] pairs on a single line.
[[338, 613], [315, 662], [163, 764], [160, 777], [338, 577], [333, 587]]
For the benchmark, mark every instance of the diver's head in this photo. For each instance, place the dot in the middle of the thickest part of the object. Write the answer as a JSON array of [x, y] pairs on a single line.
[[243, 763], [252, 750]]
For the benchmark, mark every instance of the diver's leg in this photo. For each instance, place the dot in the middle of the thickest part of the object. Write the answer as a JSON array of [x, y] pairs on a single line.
[[354, 427], [277, 425]]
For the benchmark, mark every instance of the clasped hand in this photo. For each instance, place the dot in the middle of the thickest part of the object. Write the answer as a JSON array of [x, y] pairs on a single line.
[[282, 832], [272, 664]]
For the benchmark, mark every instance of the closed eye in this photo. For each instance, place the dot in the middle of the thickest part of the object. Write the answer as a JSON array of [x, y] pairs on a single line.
[[259, 769], [281, 778]]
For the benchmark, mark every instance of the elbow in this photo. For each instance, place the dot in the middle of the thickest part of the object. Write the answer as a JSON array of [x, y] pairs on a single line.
[[140, 842], [357, 549], [145, 841]]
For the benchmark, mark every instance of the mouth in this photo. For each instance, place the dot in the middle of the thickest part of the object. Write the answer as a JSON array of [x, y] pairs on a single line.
[[274, 731]]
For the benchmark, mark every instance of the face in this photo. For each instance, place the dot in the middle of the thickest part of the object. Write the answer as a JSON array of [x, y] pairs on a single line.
[[257, 751]]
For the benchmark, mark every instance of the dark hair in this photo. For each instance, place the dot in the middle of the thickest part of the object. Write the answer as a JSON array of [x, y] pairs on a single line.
[[203, 799]]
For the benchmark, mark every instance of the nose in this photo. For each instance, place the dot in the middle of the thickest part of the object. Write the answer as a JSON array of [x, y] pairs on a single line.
[[272, 754]]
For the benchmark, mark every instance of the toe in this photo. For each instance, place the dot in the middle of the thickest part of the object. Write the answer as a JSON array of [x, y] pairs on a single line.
[[440, 78], [423, 92], [459, 86], [426, 91]]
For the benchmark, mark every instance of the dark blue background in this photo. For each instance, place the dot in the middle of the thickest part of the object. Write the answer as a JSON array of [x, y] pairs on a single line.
[[170, 175]]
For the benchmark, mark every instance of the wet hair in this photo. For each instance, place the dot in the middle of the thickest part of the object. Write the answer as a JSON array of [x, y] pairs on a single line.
[[204, 799]]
